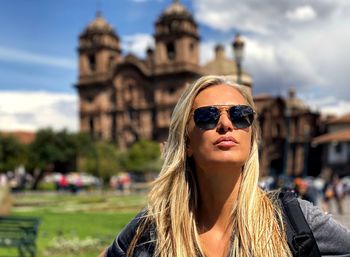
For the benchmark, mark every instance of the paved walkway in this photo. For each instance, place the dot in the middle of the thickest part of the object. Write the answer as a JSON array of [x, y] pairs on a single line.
[[345, 218]]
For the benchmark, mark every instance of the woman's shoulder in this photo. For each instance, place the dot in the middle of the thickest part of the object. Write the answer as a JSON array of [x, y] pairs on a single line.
[[315, 216], [332, 238], [129, 231], [330, 235], [123, 240]]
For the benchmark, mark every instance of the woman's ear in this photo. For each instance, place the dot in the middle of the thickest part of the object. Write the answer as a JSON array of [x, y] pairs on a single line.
[[189, 151]]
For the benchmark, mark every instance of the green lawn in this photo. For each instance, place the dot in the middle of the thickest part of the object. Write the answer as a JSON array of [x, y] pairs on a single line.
[[76, 225]]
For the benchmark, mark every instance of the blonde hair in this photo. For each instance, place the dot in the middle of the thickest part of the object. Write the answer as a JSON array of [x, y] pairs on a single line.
[[257, 223]]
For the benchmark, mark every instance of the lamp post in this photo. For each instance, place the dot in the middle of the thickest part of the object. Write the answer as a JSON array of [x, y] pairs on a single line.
[[287, 114], [238, 49], [306, 149]]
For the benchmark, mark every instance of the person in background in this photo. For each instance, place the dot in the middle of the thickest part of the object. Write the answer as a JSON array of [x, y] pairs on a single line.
[[305, 190], [339, 193]]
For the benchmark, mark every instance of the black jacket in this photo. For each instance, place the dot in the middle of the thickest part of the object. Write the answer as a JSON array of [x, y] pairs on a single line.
[[144, 246]]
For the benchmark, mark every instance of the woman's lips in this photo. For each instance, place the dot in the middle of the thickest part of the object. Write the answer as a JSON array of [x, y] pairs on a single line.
[[226, 142]]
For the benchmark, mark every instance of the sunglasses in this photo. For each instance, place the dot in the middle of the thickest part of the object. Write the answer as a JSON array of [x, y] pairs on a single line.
[[207, 117]]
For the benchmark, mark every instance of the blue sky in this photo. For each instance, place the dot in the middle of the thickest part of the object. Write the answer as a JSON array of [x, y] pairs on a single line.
[[38, 44], [49, 29], [288, 44]]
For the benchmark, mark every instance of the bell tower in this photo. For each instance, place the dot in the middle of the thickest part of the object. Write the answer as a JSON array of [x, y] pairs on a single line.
[[176, 37], [99, 48]]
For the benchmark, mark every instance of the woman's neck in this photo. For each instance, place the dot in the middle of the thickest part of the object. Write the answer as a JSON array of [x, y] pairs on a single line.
[[218, 194]]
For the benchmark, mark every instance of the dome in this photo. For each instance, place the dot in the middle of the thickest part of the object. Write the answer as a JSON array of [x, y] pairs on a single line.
[[99, 24], [293, 102], [176, 9], [221, 65]]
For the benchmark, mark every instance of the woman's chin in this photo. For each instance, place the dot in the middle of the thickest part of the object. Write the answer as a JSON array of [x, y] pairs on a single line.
[[227, 161]]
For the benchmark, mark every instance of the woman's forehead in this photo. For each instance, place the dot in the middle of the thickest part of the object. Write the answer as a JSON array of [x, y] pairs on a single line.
[[219, 95]]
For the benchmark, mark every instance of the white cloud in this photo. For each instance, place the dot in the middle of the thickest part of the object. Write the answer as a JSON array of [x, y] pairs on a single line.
[[225, 15], [329, 105], [26, 110], [207, 51], [264, 17], [137, 44], [306, 49], [301, 14], [276, 67], [23, 56]]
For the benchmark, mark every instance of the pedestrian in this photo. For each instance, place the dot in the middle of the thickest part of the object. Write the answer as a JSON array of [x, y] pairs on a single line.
[[339, 193], [63, 182], [305, 190], [206, 200], [327, 189]]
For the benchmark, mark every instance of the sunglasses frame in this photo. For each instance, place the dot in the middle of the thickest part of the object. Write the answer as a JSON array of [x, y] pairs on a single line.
[[220, 108]]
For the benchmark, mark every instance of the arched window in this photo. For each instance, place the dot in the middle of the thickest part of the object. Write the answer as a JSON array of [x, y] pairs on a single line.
[[89, 99], [171, 90], [191, 47], [171, 52], [132, 114], [92, 62], [110, 61], [91, 127]]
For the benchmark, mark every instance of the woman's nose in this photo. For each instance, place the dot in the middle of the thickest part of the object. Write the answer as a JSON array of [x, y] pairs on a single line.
[[224, 123]]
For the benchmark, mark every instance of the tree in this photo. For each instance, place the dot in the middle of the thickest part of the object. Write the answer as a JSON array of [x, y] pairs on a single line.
[[85, 144], [101, 160], [143, 156], [52, 151], [108, 160], [12, 153]]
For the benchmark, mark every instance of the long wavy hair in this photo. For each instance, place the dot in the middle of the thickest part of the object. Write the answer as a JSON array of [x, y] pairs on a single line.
[[256, 219]]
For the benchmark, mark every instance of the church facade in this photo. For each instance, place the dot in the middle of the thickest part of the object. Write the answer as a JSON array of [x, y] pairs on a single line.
[[123, 98]]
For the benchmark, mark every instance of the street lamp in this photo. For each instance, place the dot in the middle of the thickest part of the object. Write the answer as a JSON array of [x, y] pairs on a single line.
[[238, 47], [306, 148], [287, 115]]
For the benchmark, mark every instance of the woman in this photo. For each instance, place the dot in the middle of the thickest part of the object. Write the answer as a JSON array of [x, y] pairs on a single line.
[[206, 200]]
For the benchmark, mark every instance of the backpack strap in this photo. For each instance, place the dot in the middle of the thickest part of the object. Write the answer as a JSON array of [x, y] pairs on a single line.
[[301, 241]]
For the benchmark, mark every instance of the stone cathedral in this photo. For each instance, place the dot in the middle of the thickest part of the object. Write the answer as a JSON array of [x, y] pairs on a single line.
[[124, 98]]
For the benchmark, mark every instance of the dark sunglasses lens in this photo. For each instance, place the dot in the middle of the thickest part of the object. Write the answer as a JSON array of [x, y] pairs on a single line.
[[206, 117], [242, 116]]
